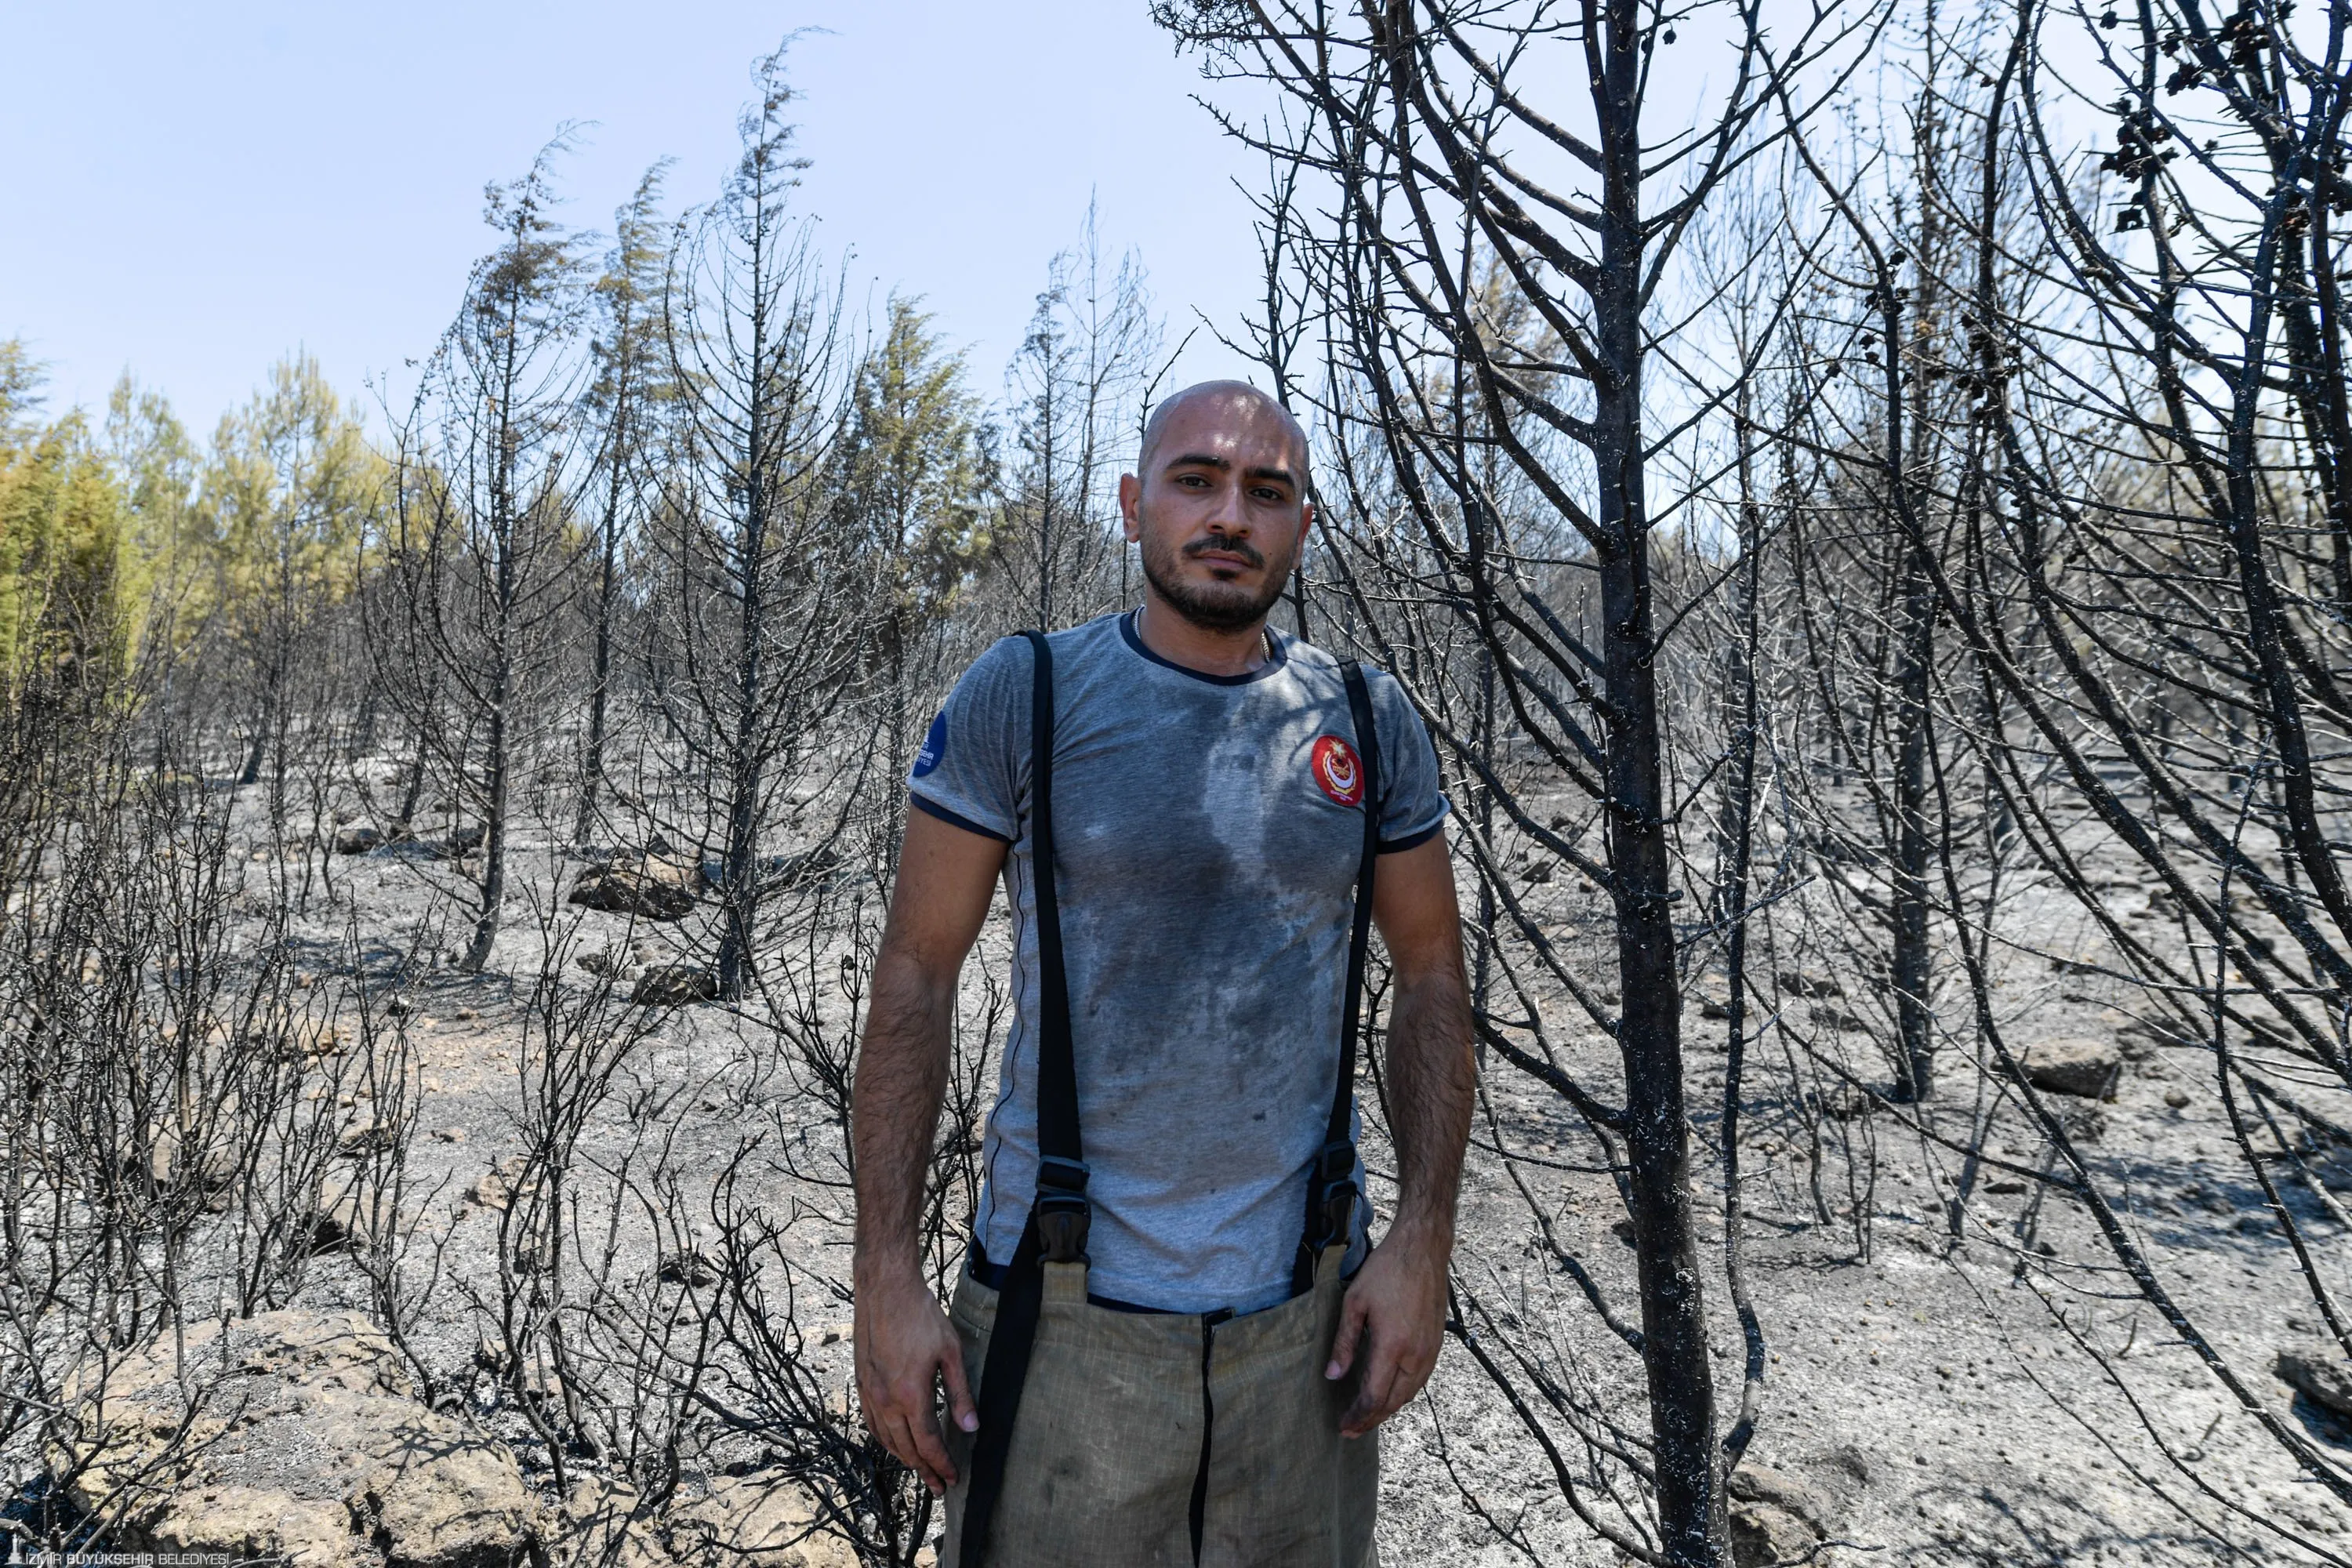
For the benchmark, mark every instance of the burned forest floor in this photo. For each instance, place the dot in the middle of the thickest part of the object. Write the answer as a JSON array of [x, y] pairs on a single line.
[[589, 1255]]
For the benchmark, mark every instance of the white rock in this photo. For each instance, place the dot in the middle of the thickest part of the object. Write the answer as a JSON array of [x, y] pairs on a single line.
[[757, 1522], [307, 1442]]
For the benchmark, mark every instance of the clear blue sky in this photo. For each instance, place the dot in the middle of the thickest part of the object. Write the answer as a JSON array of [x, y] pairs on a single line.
[[195, 191]]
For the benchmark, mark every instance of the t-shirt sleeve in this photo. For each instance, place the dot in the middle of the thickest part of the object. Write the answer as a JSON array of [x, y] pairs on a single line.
[[974, 764], [1413, 808]]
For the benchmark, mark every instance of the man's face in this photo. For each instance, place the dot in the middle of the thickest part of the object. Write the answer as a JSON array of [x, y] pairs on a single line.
[[1220, 509]]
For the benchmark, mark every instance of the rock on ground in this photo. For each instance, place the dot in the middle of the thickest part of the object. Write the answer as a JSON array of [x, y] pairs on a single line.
[[1802, 983], [435, 1498], [306, 1443], [688, 1266], [2085, 1068], [674, 985], [208, 1169], [339, 1216], [607, 1526], [744, 1522], [1763, 1484], [497, 1187], [757, 1524], [2320, 1373], [650, 890], [1763, 1534], [266, 1524]]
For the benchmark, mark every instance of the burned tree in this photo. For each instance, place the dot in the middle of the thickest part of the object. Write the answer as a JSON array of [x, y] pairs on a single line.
[[761, 623], [2153, 599], [1077, 386], [626, 401], [1493, 278], [481, 535]]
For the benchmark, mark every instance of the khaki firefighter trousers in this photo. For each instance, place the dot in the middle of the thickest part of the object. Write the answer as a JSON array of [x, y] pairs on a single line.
[[1109, 1442]]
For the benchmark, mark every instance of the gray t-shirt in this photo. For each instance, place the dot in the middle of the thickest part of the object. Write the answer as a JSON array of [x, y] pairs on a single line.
[[1207, 830]]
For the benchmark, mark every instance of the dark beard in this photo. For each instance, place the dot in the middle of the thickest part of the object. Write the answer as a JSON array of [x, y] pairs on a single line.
[[1214, 606]]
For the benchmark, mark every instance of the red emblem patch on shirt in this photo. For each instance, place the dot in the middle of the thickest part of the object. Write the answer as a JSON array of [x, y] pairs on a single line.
[[1337, 770]]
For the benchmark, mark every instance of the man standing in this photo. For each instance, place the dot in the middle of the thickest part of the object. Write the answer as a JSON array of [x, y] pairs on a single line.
[[1173, 1340]]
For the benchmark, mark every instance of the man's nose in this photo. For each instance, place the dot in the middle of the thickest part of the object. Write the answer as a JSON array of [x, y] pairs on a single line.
[[1227, 517]]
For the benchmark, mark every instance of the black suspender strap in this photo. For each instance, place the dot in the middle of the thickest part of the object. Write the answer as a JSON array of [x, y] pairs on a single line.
[[1056, 1230], [1331, 1194], [1060, 1211]]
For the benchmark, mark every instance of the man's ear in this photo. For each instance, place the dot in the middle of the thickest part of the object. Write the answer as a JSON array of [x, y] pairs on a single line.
[[1130, 506]]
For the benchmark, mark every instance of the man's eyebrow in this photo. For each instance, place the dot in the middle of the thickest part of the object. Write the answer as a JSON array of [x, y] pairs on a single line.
[[1224, 465]]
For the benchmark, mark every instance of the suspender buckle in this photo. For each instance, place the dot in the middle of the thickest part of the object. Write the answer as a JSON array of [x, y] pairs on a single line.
[[1063, 1213], [1334, 1210]]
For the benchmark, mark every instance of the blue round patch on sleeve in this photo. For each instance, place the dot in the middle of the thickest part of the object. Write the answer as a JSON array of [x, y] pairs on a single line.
[[935, 745]]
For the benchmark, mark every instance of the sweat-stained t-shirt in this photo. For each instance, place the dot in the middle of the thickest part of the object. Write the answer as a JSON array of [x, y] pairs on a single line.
[[1207, 830]]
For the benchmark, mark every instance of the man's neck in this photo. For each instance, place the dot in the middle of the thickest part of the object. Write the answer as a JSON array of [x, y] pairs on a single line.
[[1196, 647]]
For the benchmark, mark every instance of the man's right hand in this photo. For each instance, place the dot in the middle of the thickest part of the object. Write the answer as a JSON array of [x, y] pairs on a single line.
[[905, 1346]]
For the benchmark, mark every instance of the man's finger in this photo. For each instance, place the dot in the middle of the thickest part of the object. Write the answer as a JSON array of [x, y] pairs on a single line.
[[903, 1434], [1353, 1315], [1370, 1386], [961, 1409], [923, 1464], [1381, 1375], [891, 1428], [1398, 1378], [932, 1453], [1363, 1417]]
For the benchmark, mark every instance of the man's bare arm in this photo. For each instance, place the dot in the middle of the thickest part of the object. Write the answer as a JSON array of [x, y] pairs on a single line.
[[904, 1342], [1432, 1067], [1397, 1301]]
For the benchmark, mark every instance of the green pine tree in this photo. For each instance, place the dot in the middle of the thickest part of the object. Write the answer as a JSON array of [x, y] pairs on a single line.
[[291, 492]]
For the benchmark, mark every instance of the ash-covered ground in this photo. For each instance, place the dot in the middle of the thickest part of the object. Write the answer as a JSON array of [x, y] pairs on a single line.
[[1947, 1378]]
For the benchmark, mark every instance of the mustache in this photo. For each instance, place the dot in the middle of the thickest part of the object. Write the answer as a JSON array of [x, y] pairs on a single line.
[[1241, 547]]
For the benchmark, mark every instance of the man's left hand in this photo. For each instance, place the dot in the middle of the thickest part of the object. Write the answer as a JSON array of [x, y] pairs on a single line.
[[1393, 1317]]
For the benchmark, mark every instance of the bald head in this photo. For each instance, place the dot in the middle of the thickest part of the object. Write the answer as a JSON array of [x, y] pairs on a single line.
[[1223, 404], [1218, 503]]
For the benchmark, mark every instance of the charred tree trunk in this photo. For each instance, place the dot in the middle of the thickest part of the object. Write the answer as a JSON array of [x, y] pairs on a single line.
[[498, 689], [1649, 1032], [599, 670], [1915, 1045]]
